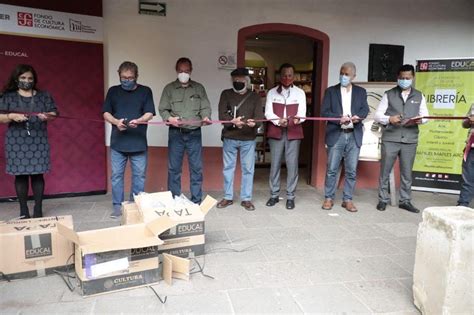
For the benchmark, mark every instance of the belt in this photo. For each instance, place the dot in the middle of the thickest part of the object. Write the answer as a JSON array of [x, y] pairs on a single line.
[[348, 130], [184, 130]]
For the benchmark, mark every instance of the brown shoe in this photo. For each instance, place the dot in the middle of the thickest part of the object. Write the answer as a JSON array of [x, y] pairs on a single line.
[[349, 205], [224, 203], [248, 205], [327, 204]]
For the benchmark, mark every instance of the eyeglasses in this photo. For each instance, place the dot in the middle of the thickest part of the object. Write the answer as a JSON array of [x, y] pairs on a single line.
[[127, 78]]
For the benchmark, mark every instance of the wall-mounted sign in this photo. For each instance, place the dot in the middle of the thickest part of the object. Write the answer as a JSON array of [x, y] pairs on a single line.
[[151, 7], [226, 60]]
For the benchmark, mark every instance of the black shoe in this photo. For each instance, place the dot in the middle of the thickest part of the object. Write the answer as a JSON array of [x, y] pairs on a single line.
[[409, 207], [290, 204], [272, 201], [24, 213], [38, 212], [381, 206]]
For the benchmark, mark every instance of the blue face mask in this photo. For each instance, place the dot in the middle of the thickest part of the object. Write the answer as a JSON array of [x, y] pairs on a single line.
[[128, 85], [344, 80], [404, 83]]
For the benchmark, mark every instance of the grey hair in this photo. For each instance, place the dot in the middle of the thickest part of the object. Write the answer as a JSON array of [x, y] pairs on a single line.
[[349, 64], [128, 65]]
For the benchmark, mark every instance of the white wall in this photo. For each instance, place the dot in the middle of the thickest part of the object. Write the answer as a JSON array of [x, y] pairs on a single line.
[[200, 29]]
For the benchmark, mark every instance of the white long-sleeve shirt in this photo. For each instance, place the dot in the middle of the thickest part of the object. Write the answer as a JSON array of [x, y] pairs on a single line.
[[292, 95], [380, 116]]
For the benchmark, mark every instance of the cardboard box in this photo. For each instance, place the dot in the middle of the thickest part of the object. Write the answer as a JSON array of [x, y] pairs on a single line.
[[117, 258], [178, 246], [187, 236], [33, 247], [184, 246], [131, 214]]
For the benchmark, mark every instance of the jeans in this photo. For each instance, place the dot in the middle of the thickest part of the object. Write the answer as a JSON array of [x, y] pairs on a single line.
[[346, 148], [138, 163], [247, 161], [467, 187], [180, 142]]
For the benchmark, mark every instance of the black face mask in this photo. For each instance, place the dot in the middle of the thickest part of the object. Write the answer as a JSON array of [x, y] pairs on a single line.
[[24, 85], [238, 86]]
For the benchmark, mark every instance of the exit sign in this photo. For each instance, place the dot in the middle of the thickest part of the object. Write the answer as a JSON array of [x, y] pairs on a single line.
[[152, 8]]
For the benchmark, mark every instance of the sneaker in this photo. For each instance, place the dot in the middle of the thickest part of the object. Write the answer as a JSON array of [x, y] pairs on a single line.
[[116, 214]]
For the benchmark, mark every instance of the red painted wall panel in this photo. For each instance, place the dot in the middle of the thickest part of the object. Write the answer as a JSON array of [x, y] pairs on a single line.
[[73, 73]]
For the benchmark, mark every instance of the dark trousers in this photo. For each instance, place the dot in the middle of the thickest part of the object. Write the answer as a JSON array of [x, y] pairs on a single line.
[[467, 187], [181, 141]]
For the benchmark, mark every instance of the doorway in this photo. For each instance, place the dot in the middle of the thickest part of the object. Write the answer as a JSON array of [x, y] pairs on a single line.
[[262, 49]]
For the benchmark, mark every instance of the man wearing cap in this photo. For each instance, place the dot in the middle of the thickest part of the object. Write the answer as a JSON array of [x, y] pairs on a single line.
[[343, 137], [242, 107], [185, 100], [286, 108]]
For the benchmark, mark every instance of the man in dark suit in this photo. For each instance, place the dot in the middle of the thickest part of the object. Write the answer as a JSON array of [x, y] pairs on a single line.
[[343, 137]]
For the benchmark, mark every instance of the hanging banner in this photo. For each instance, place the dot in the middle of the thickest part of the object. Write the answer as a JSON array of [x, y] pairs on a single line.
[[67, 52], [448, 86], [50, 24]]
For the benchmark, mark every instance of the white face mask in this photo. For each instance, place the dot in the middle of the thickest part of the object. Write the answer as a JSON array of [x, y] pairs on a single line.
[[183, 77]]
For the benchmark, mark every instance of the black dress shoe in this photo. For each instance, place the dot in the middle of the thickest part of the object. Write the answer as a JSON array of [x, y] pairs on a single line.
[[408, 207], [381, 206], [272, 201], [290, 204]]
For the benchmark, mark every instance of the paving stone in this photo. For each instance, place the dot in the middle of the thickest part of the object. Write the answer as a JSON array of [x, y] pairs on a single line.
[[263, 301], [383, 296], [406, 261], [135, 305], [30, 292], [204, 303], [377, 268], [224, 277], [332, 271], [327, 298], [277, 274], [278, 261], [400, 229], [375, 246]]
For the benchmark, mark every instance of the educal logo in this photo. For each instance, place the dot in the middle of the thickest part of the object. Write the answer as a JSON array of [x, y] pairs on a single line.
[[38, 246], [25, 19]]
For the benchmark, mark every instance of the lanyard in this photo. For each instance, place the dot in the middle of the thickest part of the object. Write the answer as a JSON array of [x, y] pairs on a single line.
[[32, 103]]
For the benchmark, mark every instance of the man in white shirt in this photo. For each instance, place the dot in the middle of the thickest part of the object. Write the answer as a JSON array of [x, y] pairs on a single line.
[[286, 107], [400, 111], [344, 137]]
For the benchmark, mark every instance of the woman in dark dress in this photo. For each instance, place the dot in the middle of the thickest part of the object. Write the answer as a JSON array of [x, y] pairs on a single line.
[[27, 110]]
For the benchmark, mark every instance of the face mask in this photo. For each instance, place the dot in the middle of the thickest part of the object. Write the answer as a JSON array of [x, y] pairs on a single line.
[[25, 85], [183, 77], [404, 83], [344, 80], [238, 86], [127, 85], [286, 82]]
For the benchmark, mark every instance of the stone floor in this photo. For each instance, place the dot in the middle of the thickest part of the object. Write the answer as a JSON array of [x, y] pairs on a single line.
[[268, 261]]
